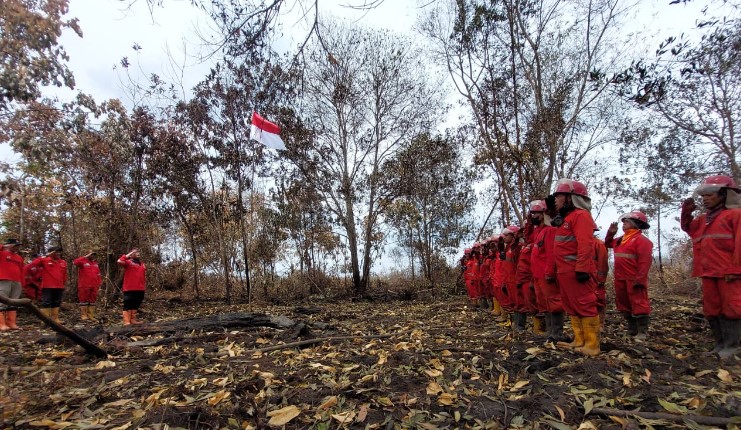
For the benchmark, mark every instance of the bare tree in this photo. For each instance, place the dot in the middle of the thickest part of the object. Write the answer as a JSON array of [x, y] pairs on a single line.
[[365, 99]]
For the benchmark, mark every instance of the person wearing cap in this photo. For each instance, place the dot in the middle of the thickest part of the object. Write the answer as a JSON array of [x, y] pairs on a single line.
[[716, 236], [531, 297], [134, 284], [633, 254], [574, 266], [509, 257], [32, 280], [53, 271], [88, 284], [11, 282]]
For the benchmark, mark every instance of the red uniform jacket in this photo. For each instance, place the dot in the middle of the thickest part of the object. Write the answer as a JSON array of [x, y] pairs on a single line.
[[472, 270], [601, 259], [542, 253], [134, 274], [88, 273], [31, 275], [11, 266], [53, 272], [509, 266], [524, 269], [632, 259], [573, 246], [717, 246]]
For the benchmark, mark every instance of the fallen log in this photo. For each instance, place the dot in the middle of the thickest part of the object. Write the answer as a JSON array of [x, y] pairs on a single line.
[[88, 346], [209, 323], [699, 419]]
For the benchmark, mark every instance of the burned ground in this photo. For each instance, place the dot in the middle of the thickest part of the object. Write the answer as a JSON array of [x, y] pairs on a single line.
[[433, 364]]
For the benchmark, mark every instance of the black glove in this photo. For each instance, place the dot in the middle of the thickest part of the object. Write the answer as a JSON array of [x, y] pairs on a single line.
[[582, 277], [557, 221], [550, 202], [504, 289], [519, 286], [639, 286], [503, 255]]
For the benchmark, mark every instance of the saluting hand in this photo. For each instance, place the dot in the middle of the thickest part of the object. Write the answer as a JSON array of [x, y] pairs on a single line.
[[613, 229], [689, 205]]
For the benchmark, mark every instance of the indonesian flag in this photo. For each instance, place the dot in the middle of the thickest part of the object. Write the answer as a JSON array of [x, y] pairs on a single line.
[[266, 132]]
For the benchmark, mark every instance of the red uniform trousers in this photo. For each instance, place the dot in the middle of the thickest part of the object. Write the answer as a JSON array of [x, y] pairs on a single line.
[[631, 300], [554, 304], [541, 296], [579, 298], [87, 295], [528, 302], [601, 296], [721, 298]]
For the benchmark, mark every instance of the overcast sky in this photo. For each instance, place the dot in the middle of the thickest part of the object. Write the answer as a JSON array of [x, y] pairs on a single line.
[[111, 29]]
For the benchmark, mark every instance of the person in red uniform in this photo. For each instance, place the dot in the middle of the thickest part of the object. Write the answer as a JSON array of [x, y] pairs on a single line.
[[574, 264], [716, 236], [488, 268], [134, 284], [545, 278], [533, 299], [509, 257], [53, 271], [11, 282], [32, 280], [633, 253], [483, 275], [88, 284], [489, 284], [601, 259], [471, 274], [498, 282], [465, 271]]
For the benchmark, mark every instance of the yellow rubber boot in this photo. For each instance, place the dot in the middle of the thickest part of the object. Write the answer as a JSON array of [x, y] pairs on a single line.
[[3, 325], [591, 336], [91, 312], [55, 315], [83, 313], [126, 317], [10, 319], [538, 325], [578, 342], [496, 308]]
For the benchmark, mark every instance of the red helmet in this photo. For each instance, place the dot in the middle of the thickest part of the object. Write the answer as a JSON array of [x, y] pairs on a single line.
[[511, 229], [466, 251], [712, 184], [476, 245], [537, 206], [570, 186], [638, 217], [494, 238]]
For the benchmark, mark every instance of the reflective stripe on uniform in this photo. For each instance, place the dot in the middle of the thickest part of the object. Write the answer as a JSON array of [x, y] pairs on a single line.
[[565, 238], [624, 255]]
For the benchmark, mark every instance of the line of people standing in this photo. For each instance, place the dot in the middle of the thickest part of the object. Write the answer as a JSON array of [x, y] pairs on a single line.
[[45, 277], [555, 266]]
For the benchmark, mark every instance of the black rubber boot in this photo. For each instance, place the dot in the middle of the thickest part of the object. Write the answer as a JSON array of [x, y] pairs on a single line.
[[519, 321], [717, 333], [641, 322], [731, 330], [632, 324], [556, 332]]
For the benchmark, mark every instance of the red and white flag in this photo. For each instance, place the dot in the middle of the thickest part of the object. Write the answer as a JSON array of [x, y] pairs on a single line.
[[266, 132]]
